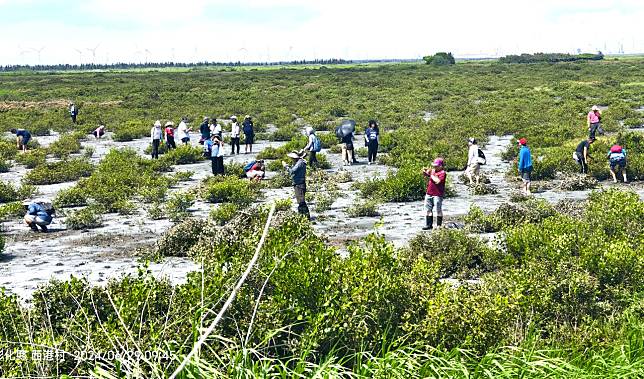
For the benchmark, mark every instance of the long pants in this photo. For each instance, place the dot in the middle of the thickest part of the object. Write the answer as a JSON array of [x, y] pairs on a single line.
[[234, 141], [73, 118], [373, 150], [300, 197], [313, 159], [155, 148], [217, 165], [583, 165], [594, 128], [170, 142]]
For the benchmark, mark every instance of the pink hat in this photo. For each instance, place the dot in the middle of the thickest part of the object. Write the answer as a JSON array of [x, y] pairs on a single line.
[[438, 162], [523, 141]]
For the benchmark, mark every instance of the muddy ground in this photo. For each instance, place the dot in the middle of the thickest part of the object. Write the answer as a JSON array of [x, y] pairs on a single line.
[[31, 259]]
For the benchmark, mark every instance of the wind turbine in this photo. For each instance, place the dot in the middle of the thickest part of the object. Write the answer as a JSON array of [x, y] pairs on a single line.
[[38, 51], [245, 53], [22, 54], [80, 56], [93, 50], [147, 55]]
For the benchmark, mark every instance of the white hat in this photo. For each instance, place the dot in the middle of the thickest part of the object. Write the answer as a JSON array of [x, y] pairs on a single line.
[[169, 123], [205, 118], [294, 155], [157, 123], [594, 108], [233, 117], [247, 116], [309, 130]]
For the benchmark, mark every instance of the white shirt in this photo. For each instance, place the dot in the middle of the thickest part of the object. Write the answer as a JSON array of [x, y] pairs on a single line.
[[216, 129], [155, 133], [234, 132], [472, 155], [309, 146], [182, 130]]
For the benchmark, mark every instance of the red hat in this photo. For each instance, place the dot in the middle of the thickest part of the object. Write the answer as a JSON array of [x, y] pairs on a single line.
[[523, 141]]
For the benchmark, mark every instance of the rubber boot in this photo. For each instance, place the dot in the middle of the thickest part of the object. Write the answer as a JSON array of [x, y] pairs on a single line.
[[303, 209], [429, 221], [43, 228], [33, 227], [439, 221]]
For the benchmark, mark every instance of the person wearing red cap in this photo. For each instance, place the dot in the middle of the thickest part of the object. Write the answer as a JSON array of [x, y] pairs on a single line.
[[435, 193], [525, 165]]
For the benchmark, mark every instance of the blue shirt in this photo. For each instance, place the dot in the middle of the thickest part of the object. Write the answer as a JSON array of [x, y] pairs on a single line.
[[23, 133], [525, 159], [38, 210], [214, 149]]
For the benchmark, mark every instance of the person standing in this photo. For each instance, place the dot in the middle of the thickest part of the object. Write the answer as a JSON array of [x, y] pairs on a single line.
[[617, 161], [473, 164], [216, 129], [525, 165], [23, 136], [435, 193], [155, 137], [372, 139], [204, 129], [249, 134], [347, 149], [313, 147], [169, 135], [216, 149], [234, 135], [184, 131], [593, 120], [297, 170], [73, 111], [582, 153]]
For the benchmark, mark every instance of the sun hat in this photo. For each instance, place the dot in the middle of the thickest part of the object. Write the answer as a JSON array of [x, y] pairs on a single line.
[[523, 141], [205, 118], [294, 155], [247, 116], [157, 123], [472, 140], [233, 117], [438, 162], [169, 123], [309, 130], [594, 108]]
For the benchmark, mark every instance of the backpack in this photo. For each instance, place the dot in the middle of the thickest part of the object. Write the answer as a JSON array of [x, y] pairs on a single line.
[[48, 207], [317, 145], [248, 128], [249, 165], [482, 160]]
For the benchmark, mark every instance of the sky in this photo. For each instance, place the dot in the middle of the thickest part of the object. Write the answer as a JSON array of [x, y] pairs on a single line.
[[108, 31]]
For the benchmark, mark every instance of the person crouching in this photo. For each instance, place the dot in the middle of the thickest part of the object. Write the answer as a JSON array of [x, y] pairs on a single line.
[[39, 215]]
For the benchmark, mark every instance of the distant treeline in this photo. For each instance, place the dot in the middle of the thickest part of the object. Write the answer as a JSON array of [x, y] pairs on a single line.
[[122, 66], [550, 57]]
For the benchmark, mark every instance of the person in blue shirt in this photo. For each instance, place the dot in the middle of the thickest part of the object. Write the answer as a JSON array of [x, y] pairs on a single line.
[[372, 135], [215, 147], [298, 174], [37, 215], [525, 165], [22, 138]]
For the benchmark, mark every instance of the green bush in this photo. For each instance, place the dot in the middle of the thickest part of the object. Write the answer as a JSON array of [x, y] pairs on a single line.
[[12, 210], [65, 145], [156, 211], [32, 158], [367, 208], [177, 205], [86, 218], [10, 193], [4, 166], [229, 190], [407, 184], [71, 197], [66, 170], [184, 154], [223, 213], [131, 130]]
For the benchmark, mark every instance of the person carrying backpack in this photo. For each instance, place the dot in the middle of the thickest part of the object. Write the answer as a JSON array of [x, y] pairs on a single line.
[[525, 165], [22, 138], [314, 146], [39, 214], [249, 134], [297, 170], [593, 120], [474, 161], [435, 193], [617, 160], [582, 153], [372, 139]]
